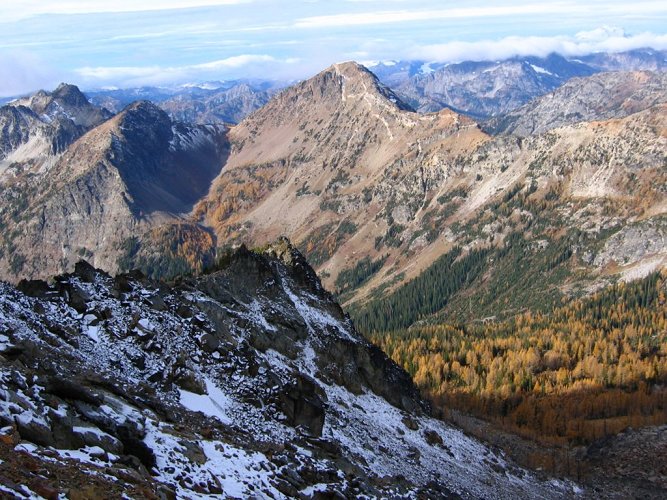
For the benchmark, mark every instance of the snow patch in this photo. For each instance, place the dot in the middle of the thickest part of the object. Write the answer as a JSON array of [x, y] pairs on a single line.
[[238, 473], [315, 318], [4, 343], [93, 332], [426, 68], [540, 69], [214, 404]]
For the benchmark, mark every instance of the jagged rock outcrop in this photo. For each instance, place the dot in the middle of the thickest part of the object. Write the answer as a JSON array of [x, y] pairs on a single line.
[[166, 390]]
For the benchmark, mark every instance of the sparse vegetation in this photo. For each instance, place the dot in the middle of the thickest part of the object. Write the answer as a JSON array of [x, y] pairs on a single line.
[[460, 192], [349, 279], [168, 251]]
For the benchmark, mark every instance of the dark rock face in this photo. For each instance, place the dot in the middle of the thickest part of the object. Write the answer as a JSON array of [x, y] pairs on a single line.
[[247, 381], [152, 153], [303, 402], [15, 126]]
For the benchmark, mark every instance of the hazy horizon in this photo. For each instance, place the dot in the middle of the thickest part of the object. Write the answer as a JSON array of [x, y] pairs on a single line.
[[172, 42]]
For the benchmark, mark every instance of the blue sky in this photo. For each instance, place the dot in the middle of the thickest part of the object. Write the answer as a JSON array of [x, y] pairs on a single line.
[[130, 42]]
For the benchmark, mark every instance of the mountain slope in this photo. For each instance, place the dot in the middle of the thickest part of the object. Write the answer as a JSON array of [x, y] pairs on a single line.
[[375, 194], [325, 161], [115, 183], [247, 381], [372, 192], [600, 97]]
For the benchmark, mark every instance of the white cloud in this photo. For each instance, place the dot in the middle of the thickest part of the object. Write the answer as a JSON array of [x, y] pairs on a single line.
[[234, 62], [23, 72], [15, 10], [590, 10], [244, 65], [600, 34], [601, 40], [401, 16]]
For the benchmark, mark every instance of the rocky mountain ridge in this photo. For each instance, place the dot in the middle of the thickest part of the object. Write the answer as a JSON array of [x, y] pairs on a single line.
[[600, 97], [246, 381], [489, 88], [36, 129], [118, 181], [353, 178], [372, 192]]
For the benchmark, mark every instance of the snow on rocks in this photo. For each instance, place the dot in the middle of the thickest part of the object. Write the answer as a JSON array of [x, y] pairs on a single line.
[[247, 382], [214, 403]]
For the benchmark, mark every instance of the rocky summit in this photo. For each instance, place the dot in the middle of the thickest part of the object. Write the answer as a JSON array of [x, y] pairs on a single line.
[[249, 381], [37, 128], [117, 182]]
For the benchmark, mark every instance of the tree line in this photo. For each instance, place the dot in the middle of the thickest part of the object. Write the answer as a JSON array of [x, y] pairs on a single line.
[[575, 373]]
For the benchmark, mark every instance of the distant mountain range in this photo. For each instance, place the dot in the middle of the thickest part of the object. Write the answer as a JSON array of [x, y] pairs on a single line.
[[212, 102], [600, 97], [488, 88]]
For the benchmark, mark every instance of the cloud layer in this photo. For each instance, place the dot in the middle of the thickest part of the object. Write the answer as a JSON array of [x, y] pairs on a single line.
[[250, 65], [604, 39], [96, 44], [21, 70]]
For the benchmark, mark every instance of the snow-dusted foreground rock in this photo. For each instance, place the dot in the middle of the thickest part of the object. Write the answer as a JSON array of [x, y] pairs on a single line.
[[249, 381]]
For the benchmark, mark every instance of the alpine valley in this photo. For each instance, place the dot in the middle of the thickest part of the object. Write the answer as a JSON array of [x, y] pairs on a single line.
[[170, 323]]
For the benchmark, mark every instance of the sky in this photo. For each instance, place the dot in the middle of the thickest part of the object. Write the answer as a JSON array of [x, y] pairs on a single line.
[[126, 43]]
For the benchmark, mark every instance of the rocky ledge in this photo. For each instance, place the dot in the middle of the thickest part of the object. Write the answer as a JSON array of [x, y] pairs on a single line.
[[247, 381]]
